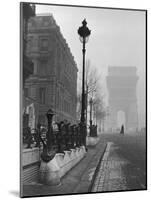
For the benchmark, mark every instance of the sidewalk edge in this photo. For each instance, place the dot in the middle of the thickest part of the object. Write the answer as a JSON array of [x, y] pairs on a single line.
[[96, 170]]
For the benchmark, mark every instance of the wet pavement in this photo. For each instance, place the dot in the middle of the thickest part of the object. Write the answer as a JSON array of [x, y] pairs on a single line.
[[123, 166]]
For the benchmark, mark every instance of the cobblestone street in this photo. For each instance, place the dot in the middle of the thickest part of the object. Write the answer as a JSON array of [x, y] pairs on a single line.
[[123, 166]]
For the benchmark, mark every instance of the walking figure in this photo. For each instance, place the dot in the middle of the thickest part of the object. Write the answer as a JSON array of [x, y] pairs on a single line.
[[122, 130]]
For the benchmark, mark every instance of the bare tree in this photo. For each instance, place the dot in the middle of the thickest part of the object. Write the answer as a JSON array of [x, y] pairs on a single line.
[[92, 79], [93, 91], [99, 109]]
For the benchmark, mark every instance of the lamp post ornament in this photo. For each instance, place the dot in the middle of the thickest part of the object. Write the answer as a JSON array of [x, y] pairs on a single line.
[[48, 150]]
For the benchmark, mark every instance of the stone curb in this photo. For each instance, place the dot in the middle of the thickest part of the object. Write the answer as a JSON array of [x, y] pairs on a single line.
[[96, 170]]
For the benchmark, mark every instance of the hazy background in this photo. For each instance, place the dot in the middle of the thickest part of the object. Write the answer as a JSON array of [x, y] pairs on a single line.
[[117, 39]]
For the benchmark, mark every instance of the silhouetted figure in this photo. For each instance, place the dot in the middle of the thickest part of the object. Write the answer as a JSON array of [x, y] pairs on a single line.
[[122, 130]]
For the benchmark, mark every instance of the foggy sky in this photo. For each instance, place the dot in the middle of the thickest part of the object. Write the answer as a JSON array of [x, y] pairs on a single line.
[[117, 39]]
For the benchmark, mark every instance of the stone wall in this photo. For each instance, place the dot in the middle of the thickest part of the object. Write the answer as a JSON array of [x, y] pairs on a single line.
[[30, 165]]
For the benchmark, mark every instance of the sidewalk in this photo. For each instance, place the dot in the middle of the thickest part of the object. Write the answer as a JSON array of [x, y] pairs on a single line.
[[110, 175], [78, 180]]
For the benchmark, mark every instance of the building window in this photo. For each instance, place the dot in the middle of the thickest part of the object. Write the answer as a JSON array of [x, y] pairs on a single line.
[[43, 67], [29, 42], [44, 44], [42, 95], [46, 23]]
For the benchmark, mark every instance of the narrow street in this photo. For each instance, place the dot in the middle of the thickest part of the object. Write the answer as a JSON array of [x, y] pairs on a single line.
[[123, 166]]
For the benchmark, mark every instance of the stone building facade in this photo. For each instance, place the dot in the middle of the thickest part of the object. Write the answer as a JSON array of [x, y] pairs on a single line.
[[54, 81]]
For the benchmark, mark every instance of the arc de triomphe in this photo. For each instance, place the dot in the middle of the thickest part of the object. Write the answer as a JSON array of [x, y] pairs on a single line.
[[121, 84]]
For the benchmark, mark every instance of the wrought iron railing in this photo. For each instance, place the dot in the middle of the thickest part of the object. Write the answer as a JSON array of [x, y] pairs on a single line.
[[65, 138]]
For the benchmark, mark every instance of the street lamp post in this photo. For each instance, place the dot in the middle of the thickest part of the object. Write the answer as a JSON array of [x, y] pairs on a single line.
[[84, 34], [91, 116]]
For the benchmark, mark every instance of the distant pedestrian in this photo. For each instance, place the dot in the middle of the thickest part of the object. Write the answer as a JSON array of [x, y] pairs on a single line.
[[122, 130]]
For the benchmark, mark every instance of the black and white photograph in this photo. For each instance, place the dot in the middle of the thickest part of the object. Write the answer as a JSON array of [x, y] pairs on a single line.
[[83, 112]]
